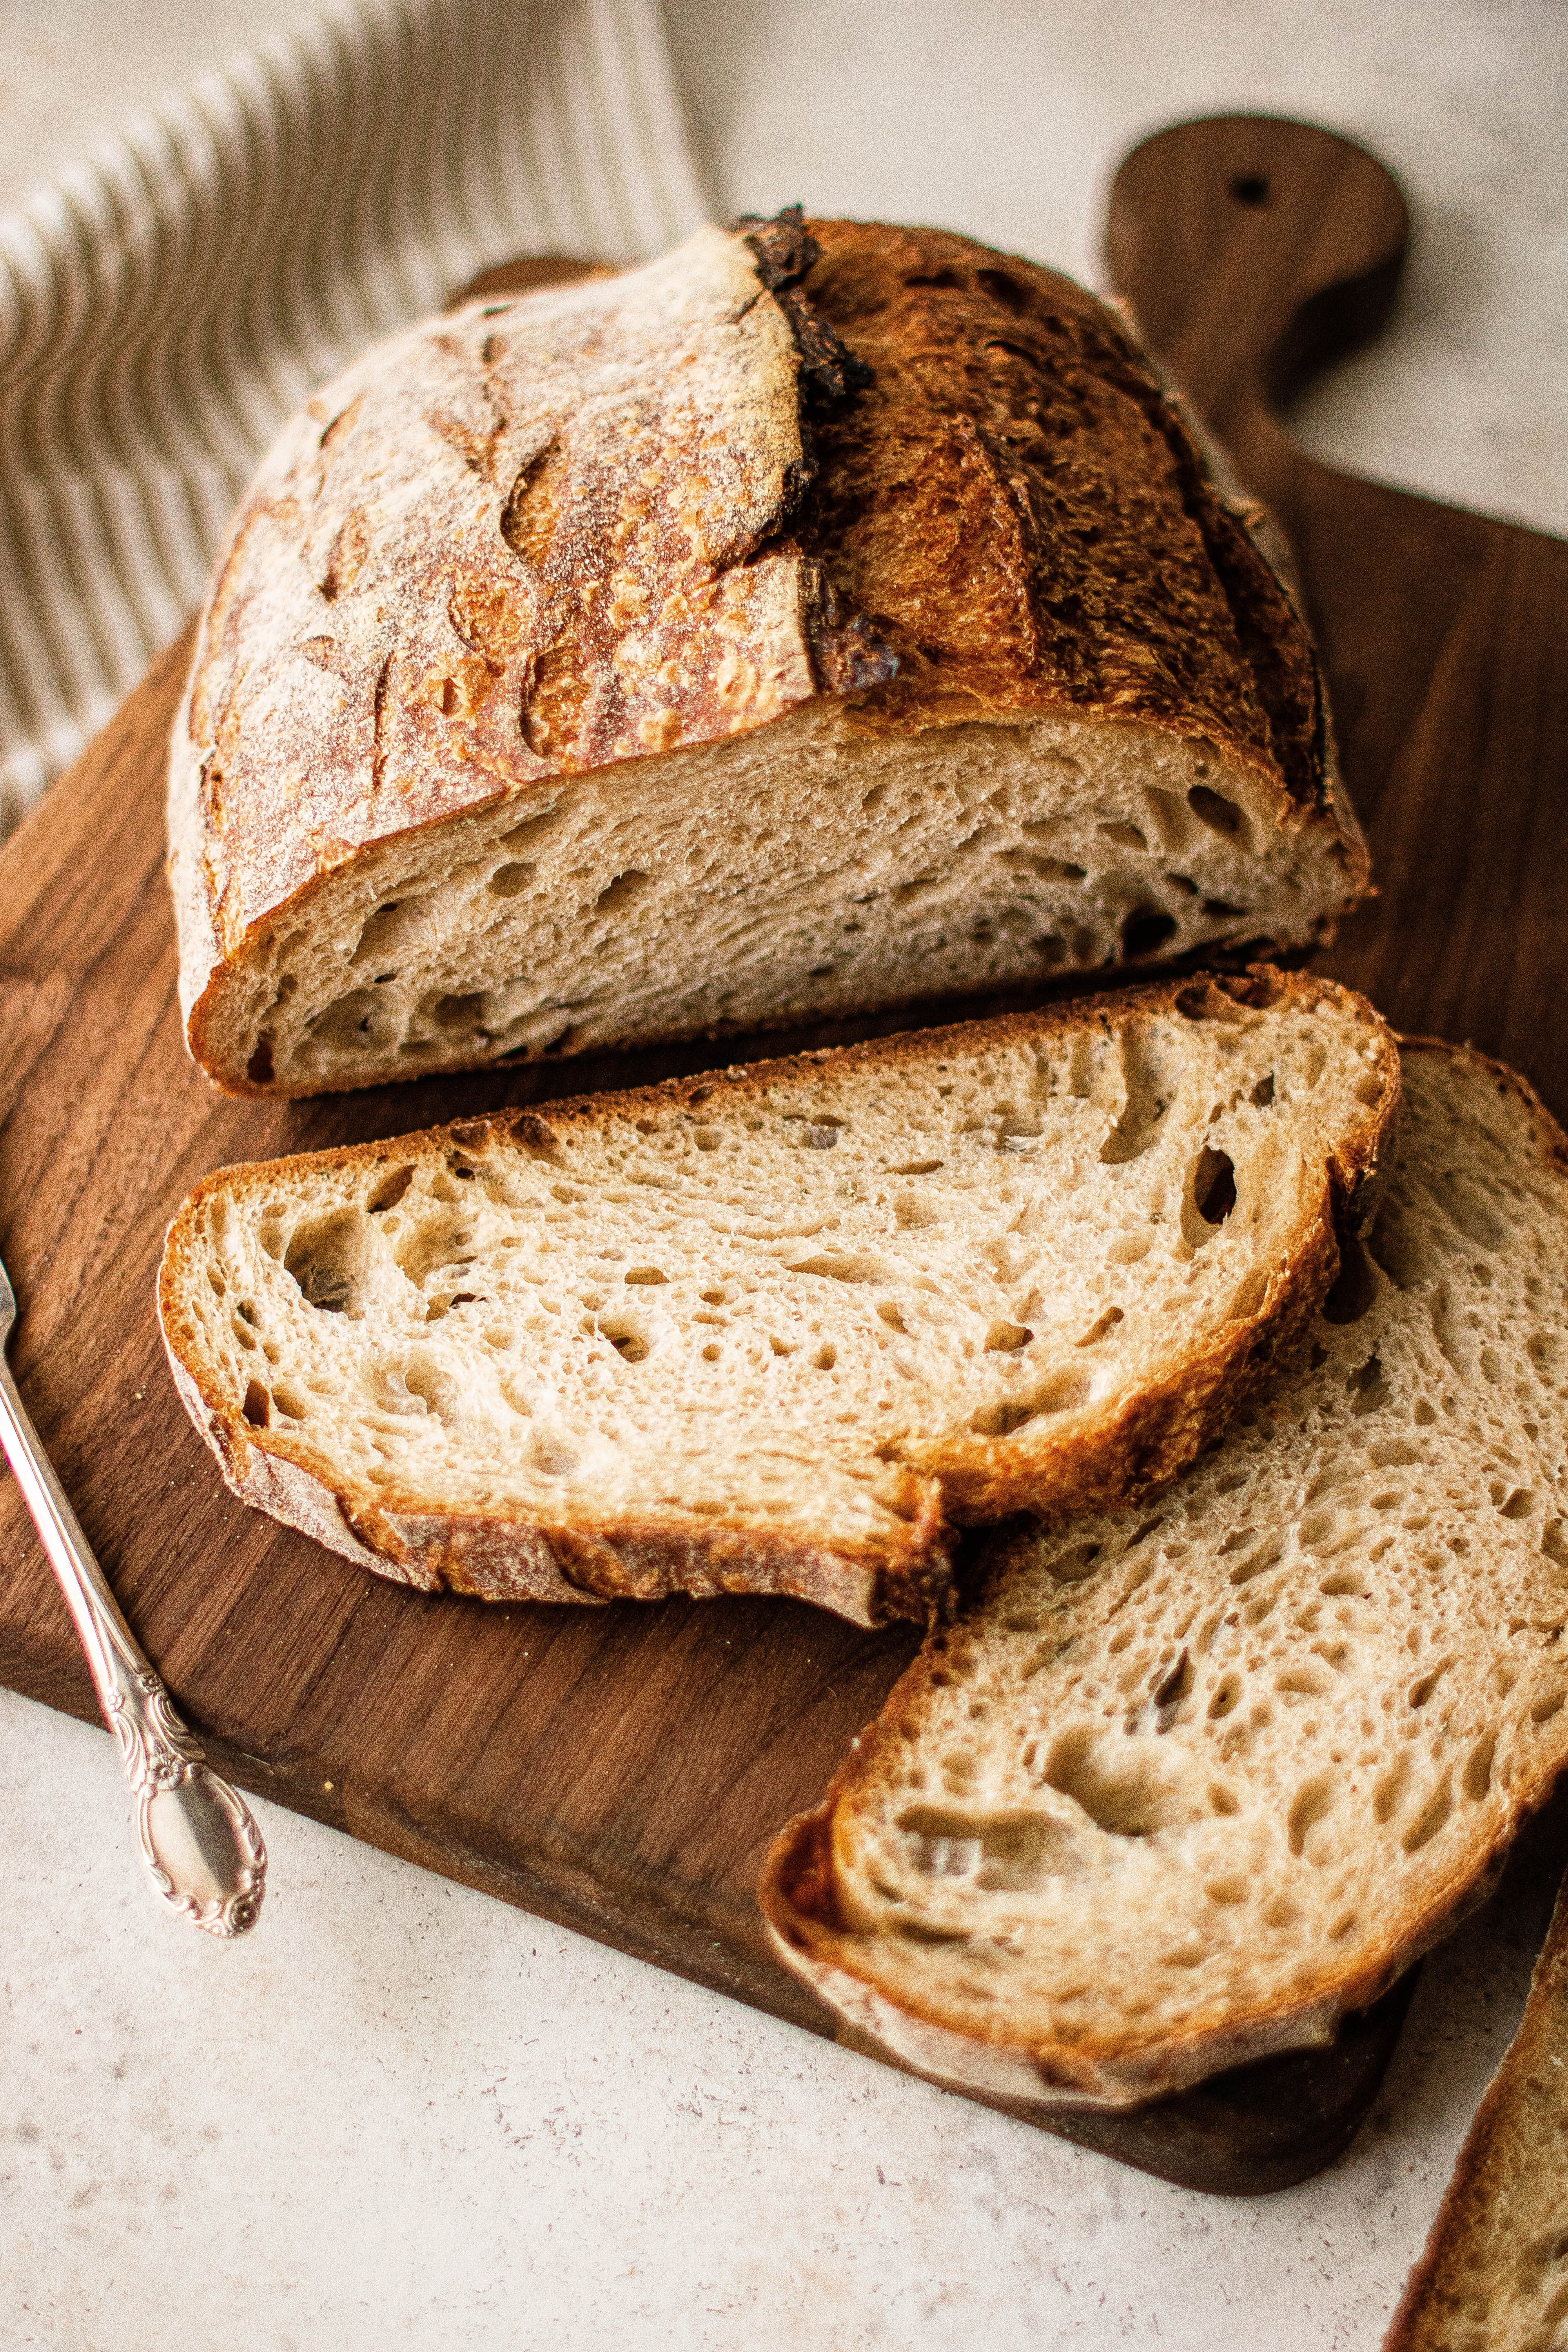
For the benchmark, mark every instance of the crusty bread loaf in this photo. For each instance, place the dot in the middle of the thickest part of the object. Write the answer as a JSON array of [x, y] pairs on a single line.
[[1494, 2275], [797, 625], [775, 1330], [1187, 1783]]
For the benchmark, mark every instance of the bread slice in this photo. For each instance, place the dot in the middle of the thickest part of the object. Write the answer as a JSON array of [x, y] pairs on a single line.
[[1494, 2275], [776, 1329], [1186, 1783], [799, 625]]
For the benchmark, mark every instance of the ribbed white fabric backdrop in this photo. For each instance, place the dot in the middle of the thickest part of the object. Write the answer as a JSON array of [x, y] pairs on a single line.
[[164, 305]]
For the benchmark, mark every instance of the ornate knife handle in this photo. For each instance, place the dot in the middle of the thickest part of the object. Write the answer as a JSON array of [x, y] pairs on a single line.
[[198, 1838]]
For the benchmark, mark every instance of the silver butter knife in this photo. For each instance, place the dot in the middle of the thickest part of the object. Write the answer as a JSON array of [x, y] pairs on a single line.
[[198, 1838]]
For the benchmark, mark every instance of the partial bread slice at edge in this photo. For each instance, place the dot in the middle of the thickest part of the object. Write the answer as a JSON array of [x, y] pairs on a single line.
[[777, 1330], [1187, 1783], [1494, 2272]]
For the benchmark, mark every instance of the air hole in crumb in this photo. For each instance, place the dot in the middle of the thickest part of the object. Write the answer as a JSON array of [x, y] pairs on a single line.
[[622, 891], [1429, 1821], [1311, 1802], [1145, 931], [825, 1357], [1070, 1567], [323, 1256], [1369, 1391], [1263, 1092], [1003, 1338], [645, 1275], [457, 1012], [258, 1405], [1173, 1687], [1422, 1687], [509, 880], [389, 1191], [1478, 1773], [1000, 1420], [1355, 1285], [1214, 1185], [1221, 817], [1099, 1326], [1125, 1797]]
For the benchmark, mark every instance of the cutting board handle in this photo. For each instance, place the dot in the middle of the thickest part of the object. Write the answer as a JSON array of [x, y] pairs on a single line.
[[1253, 250]]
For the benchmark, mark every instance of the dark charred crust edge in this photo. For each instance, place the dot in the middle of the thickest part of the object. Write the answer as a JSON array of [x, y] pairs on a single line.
[[848, 654], [784, 249]]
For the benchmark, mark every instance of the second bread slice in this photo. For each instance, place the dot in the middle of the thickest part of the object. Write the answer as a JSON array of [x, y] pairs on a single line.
[[1184, 1787], [781, 1328]]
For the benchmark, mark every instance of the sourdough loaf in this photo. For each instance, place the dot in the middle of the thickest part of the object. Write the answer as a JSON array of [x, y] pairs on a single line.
[[1186, 1783], [806, 623], [779, 1328], [1494, 2274]]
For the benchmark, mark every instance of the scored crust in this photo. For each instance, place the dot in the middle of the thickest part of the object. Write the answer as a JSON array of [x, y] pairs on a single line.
[[929, 2021], [1134, 1438], [911, 479]]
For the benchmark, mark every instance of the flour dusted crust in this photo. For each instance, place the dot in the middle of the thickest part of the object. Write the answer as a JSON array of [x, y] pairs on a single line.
[[1187, 1783], [507, 543], [662, 563]]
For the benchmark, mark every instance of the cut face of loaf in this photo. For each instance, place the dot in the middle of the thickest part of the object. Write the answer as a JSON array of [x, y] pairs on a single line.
[[1187, 1783], [776, 1329], [796, 627], [1494, 2275]]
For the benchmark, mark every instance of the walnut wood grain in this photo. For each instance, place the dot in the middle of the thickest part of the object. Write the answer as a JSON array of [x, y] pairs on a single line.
[[1253, 252], [624, 1769]]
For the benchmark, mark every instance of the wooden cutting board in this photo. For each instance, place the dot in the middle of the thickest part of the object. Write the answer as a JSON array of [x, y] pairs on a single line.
[[622, 1769]]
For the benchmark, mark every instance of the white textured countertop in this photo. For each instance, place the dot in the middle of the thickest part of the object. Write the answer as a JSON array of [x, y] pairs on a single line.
[[401, 2114]]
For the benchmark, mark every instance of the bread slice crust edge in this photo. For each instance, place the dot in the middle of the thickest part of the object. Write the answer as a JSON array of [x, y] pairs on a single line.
[[1110, 1451], [798, 1898]]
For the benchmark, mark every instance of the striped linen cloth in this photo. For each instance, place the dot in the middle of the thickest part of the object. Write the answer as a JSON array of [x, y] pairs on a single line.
[[168, 302]]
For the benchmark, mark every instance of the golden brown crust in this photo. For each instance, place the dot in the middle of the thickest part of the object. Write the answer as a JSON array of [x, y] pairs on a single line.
[[541, 537], [1021, 509], [504, 1559], [799, 1901]]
